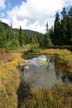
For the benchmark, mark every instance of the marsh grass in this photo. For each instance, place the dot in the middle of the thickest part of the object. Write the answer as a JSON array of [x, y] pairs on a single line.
[[9, 81], [58, 97]]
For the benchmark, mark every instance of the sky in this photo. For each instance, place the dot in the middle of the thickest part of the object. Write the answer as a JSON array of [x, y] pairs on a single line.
[[31, 14]]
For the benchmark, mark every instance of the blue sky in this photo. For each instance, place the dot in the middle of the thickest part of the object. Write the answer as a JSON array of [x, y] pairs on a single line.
[[9, 4], [31, 14]]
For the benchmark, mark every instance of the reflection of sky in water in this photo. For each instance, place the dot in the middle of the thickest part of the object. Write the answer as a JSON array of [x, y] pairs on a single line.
[[37, 61], [40, 72]]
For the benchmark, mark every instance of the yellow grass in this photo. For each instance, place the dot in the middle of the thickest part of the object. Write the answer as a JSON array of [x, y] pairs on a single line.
[[9, 75], [55, 51], [9, 81]]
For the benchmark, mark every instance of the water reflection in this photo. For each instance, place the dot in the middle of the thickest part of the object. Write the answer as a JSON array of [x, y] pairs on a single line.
[[23, 93], [61, 72], [44, 72]]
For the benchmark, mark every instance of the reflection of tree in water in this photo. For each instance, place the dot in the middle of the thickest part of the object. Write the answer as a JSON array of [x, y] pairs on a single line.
[[66, 78], [23, 93], [57, 70], [57, 65], [61, 72], [50, 60]]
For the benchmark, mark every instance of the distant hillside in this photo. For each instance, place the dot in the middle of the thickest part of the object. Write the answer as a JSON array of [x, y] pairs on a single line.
[[27, 32], [4, 25], [12, 38]]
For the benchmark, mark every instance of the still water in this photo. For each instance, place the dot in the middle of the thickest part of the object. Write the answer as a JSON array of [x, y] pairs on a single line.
[[44, 72]]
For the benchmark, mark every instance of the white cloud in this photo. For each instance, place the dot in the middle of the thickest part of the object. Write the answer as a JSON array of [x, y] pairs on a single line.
[[35, 13], [2, 3]]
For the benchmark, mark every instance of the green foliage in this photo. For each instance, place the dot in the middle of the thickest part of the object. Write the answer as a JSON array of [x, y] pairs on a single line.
[[47, 38], [63, 28], [69, 26], [60, 35], [21, 37], [57, 26], [3, 40], [13, 38]]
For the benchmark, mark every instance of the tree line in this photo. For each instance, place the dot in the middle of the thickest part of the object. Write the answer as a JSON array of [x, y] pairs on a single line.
[[14, 38], [60, 34]]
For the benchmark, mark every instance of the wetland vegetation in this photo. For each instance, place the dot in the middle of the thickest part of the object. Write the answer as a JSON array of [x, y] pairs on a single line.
[[36, 68], [48, 80]]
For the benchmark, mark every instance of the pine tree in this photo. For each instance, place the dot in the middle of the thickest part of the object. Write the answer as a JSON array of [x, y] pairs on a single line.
[[3, 40], [64, 26], [12, 39], [47, 39], [52, 34], [57, 26], [21, 39], [69, 25]]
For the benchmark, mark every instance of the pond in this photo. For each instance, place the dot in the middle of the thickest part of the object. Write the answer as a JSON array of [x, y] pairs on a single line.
[[44, 72]]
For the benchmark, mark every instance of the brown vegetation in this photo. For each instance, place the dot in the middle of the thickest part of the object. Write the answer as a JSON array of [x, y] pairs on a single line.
[[58, 97], [55, 51], [9, 80]]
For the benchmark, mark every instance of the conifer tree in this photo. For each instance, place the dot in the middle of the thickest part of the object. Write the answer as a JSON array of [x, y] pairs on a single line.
[[21, 40], [57, 34], [47, 39]]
